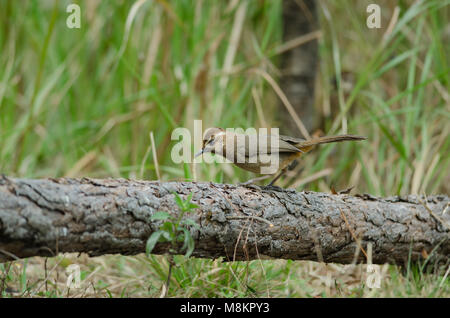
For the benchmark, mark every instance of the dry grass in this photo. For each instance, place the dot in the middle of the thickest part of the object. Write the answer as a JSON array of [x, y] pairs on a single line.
[[83, 103], [139, 276]]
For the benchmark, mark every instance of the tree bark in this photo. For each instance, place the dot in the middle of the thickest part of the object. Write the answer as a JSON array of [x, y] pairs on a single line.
[[48, 216], [299, 65]]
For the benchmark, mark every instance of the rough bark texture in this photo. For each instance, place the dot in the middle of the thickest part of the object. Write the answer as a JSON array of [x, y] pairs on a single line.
[[299, 65], [47, 216]]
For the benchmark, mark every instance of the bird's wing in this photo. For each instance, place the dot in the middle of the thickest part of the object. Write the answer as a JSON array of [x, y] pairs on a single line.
[[285, 143], [251, 145], [291, 140]]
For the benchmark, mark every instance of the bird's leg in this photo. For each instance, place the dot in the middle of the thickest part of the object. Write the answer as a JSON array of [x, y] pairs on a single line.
[[251, 181], [291, 166], [283, 171]]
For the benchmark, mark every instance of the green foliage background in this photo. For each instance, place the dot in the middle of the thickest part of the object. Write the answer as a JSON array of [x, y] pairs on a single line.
[[82, 102]]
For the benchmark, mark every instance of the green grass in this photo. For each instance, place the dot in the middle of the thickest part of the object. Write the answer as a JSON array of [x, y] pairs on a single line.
[[83, 102], [140, 276]]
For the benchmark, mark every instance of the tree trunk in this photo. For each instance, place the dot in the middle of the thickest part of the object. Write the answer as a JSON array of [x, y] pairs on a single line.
[[299, 65], [47, 216]]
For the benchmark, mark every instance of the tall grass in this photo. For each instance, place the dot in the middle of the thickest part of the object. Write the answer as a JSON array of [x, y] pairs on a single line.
[[83, 102]]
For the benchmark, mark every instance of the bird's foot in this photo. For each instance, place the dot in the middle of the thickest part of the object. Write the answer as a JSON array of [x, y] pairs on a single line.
[[250, 186], [271, 187]]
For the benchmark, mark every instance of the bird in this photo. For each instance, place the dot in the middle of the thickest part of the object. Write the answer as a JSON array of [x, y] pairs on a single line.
[[262, 153]]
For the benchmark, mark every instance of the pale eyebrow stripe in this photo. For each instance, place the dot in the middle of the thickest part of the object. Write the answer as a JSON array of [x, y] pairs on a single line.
[[220, 134]]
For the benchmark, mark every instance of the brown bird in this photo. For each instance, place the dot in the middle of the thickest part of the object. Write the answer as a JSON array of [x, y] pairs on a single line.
[[264, 154]]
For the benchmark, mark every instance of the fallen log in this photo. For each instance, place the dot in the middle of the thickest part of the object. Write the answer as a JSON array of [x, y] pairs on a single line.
[[45, 217]]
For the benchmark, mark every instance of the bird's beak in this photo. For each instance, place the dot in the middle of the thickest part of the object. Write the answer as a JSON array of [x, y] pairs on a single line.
[[198, 153]]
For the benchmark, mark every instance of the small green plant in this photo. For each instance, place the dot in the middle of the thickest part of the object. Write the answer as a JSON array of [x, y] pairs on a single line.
[[175, 231], [174, 228]]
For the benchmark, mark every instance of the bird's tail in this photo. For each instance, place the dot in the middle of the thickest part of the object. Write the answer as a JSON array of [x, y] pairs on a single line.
[[328, 139]]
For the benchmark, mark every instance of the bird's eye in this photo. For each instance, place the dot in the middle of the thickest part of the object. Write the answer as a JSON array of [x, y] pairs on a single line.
[[206, 142]]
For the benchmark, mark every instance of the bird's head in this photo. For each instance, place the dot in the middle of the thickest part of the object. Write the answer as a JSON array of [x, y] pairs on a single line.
[[212, 139]]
